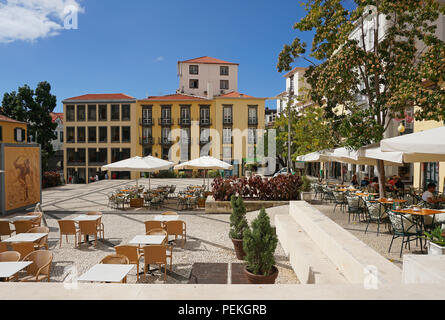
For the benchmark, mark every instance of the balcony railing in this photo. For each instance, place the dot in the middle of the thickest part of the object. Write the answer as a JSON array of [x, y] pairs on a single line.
[[205, 122], [184, 121], [227, 121], [145, 141], [165, 141], [253, 121], [146, 121], [204, 140], [165, 121]]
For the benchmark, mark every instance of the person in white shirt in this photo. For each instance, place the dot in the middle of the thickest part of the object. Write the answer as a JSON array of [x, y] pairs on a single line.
[[428, 196], [96, 178]]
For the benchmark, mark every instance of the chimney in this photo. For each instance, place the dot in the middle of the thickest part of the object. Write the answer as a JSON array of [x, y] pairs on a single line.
[[209, 90]]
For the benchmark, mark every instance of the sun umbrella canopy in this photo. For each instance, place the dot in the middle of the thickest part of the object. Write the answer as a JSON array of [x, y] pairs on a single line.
[[424, 146], [205, 163], [146, 164], [318, 156]]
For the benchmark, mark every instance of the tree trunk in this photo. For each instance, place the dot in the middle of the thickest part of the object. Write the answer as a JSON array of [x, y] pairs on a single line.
[[381, 172]]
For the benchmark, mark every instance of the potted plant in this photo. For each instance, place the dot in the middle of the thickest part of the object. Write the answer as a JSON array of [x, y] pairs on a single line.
[[136, 201], [201, 200], [305, 193], [436, 241], [238, 224], [260, 244]]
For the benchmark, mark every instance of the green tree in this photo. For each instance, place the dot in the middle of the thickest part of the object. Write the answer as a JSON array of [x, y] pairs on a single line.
[[386, 69], [34, 107], [238, 221], [259, 245]]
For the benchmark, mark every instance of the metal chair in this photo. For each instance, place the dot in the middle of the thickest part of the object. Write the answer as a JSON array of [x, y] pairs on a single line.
[[404, 227]]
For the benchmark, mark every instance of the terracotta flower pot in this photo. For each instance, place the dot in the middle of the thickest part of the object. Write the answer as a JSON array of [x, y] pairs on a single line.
[[259, 279], [238, 245]]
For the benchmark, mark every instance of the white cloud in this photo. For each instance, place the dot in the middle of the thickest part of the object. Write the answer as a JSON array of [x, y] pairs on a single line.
[[159, 59], [29, 20]]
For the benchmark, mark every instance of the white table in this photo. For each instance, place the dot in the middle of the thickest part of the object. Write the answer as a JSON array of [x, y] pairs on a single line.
[[8, 269], [85, 217], [26, 237], [27, 218], [166, 218], [148, 240], [106, 273]]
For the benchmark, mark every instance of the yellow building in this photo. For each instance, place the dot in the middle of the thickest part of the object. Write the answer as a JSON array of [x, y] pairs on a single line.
[[100, 129], [12, 131], [227, 127]]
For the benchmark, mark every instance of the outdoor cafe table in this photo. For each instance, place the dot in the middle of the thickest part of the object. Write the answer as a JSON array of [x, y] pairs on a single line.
[[361, 194], [17, 218], [106, 273], [85, 217], [8, 269], [147, 240], [388, 201], [348, 189], [26, 237], [166, 218]]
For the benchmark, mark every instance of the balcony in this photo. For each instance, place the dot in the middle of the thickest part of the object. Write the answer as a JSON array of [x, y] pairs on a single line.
[[165, 141], [146, 121], [184, 121], [205, 122], [228, 121], [145, 141], [253, 121], [165, 121]]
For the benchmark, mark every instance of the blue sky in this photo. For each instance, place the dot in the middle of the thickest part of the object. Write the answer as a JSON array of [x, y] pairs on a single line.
[[133, 46]]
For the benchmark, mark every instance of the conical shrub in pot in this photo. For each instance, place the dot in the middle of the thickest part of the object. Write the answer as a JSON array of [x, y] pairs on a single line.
[[238, 224], [260, 243]]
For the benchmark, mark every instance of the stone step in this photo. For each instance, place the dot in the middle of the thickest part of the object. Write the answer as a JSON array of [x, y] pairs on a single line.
[[310, 264]]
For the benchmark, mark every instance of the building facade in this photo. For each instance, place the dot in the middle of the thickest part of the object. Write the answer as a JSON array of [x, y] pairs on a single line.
[[56, 161], [207, 77], [99, 129], [296, 85], [12, 131]]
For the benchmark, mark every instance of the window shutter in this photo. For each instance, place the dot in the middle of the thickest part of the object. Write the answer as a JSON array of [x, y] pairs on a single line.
[[15, 134], [23, 135]]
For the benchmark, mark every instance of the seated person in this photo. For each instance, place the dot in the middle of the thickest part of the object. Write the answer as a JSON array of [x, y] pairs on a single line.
[[399, 184], [392, 181], [375, 184], [365, 181], [428, 195], [354, 181]]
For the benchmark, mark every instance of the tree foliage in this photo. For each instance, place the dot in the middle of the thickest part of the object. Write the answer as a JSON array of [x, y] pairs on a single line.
[[238, 221], [34, 107], [388, 69], [259, 244]]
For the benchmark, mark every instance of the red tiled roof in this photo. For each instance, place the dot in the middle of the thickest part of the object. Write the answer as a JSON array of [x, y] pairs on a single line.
[[208, 60], [175, 96], [55, 115], [234, 94], [103, 97], [5, 118]]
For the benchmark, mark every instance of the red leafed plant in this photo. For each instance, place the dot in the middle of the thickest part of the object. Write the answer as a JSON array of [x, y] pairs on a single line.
[[282, 187]]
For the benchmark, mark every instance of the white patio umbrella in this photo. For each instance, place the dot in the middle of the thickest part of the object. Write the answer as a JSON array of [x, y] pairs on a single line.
[[318, 156], [138, 164], [424, 146], [205, 163]]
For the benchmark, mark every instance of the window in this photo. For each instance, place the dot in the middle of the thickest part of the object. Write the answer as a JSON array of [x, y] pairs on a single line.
[[125, 112], [227, 152], [147, 115], [165, 134], [92, 113], [227, 114], [166, 115], [70, 134], [115, 137], [194, 83], [81, 134], [81, 113], [70, 113], [251, 136], [115, 154], [253, 119], [193, 69], [224, 84], [146, 135], [92, 134], [147, 151], [61, 136], [1, 133], [71, 155], [103, 136], [185, 135], [125, 154], [103, 155], [103, 112], [115, 116], [227, 135], [205, 115], [126, 134], [205, 135], [224, 70], [56, 134], [92, 156], [291, 83], [185, 115], [81, 156], [251, 152]]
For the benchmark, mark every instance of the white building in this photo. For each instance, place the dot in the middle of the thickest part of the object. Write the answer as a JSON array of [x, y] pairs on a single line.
[[295, 83], [207, 77], [56, 161]]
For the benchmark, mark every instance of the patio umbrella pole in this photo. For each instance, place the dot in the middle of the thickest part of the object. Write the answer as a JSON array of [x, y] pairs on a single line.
[[149, 181]]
